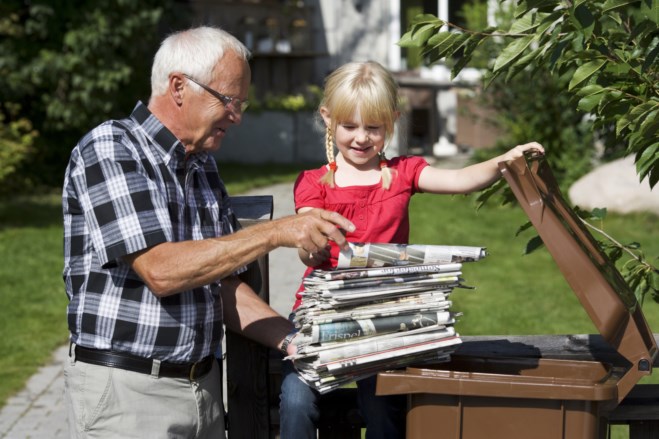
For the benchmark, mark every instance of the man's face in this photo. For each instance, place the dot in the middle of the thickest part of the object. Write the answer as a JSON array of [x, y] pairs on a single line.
[[206, 117]]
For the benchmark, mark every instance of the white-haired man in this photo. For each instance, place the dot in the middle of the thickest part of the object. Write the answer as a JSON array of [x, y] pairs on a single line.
[[152, 251]]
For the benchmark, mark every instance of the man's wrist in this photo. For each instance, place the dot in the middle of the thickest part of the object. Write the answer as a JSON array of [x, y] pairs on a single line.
[[287, 341]]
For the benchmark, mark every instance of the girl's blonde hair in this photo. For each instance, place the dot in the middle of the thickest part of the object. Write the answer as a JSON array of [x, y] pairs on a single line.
[[370, 88]]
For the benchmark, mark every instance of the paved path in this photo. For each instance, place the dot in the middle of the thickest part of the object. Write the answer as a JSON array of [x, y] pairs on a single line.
[[37, 412]]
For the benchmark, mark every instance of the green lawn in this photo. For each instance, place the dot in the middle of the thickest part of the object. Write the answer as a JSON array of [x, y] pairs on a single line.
[[514, 294]]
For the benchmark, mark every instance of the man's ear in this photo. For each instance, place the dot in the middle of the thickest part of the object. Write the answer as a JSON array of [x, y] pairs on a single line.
[[176, 87]]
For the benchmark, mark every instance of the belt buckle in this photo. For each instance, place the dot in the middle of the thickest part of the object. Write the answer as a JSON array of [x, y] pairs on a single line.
[[192, 371]]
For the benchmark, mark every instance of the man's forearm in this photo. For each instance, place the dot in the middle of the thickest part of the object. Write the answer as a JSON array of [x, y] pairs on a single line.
[[247, 314], [172, 267]]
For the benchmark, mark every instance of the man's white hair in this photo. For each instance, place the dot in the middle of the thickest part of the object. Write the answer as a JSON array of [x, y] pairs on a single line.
[[195, 52]]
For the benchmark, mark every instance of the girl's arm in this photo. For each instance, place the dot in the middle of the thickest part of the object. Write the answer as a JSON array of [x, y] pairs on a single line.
[[471, 178]]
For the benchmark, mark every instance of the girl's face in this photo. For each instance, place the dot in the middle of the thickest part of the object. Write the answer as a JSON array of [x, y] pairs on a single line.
[[358, 143]]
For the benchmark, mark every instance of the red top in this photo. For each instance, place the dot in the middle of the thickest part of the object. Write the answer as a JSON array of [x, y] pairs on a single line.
[[379, 215]]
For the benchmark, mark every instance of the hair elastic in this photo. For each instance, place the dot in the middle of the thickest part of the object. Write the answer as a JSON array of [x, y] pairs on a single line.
[[332, 166]]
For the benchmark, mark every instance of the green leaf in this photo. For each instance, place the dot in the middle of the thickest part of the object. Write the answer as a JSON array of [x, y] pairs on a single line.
[[523, 25], [406, 40], [598, 213], [418, 36], [445, 44], [557, 53], [646, 159], [610, 5], [590, 90], [585, 19], [527, 225], [533, 244], [458, 43], [650, 10], [585, 71], [427, 18], [468, 49], [621, 124], [650, 125], [587, 103], [548, 20], [653, 176], [614, 254], [424, 32], [512, 51], [650, 59]]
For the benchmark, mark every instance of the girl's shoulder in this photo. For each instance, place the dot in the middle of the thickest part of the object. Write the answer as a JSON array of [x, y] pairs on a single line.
[[313, 172], [311, 176], [407, 163]]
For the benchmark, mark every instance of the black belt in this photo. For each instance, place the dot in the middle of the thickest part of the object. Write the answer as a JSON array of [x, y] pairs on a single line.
[[191, 371]]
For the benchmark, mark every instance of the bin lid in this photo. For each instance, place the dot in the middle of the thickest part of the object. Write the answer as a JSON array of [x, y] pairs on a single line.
[[593, 277]]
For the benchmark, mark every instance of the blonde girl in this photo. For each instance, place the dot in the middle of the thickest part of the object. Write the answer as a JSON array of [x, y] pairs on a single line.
[[359, 110]]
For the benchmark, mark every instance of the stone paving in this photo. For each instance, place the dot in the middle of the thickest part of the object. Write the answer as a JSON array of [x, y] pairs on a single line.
[[38, 410]]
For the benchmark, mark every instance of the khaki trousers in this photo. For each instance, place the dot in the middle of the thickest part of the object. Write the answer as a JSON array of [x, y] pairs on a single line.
[[106, 402]]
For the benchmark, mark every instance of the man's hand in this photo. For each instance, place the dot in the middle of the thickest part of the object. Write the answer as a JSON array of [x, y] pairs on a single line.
[[311, 231], [171, 267]]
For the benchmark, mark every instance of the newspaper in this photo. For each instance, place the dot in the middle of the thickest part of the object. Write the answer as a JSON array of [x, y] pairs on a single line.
[[347, 330], [379, 255], [356, 274], [390, 309], [329, 376], [309, 313]]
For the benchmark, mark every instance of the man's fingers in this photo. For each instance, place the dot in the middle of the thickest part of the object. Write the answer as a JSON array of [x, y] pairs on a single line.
[[311, 230], [337, 219], [330, 230]]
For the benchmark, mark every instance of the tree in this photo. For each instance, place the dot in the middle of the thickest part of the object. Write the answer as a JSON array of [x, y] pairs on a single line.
[[66, 65], [609, 49], [608, 52]]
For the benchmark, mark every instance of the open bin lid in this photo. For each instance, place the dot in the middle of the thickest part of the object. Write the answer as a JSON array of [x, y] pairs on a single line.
[[595, 280]]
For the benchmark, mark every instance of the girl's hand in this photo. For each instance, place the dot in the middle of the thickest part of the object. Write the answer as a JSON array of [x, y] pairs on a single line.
[[519, 150]]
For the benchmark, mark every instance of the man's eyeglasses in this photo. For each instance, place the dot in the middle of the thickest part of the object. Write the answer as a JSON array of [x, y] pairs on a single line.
[[227, 101]]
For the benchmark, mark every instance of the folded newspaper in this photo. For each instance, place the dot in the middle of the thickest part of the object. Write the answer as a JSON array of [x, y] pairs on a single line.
[[367, 254], [391, 312]]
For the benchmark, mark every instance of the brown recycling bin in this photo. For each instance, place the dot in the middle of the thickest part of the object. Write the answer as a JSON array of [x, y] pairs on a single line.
[[522, 398]]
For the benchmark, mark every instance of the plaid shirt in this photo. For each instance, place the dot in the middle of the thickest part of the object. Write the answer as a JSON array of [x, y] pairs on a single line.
[[129, 186]]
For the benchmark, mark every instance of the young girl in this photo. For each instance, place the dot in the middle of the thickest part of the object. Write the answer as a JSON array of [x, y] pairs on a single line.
[[359, 109]]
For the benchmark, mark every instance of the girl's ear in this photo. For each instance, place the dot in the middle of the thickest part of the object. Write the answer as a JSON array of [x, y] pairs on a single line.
[[325, 114], [396, 115]]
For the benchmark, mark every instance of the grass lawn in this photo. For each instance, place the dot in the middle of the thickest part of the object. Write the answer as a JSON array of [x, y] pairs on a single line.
[[514, 294]]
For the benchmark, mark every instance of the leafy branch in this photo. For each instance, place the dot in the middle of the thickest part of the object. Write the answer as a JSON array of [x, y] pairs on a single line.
[[609, 49], [608, 53]]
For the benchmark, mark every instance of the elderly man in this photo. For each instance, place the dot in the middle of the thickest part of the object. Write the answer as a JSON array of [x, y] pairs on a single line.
[[152, 251]]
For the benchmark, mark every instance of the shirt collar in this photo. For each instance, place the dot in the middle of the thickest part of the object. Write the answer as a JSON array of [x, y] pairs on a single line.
[[173, 150]]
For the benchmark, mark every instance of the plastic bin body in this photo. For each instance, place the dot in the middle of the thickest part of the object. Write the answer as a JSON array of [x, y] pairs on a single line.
[[533, 398], [512, 398]]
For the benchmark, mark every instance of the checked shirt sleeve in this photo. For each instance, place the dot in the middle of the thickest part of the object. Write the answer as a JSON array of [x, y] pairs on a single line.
[[123, 210]]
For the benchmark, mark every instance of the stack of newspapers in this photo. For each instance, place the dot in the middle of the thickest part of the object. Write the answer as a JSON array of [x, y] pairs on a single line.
[[385, 306]]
